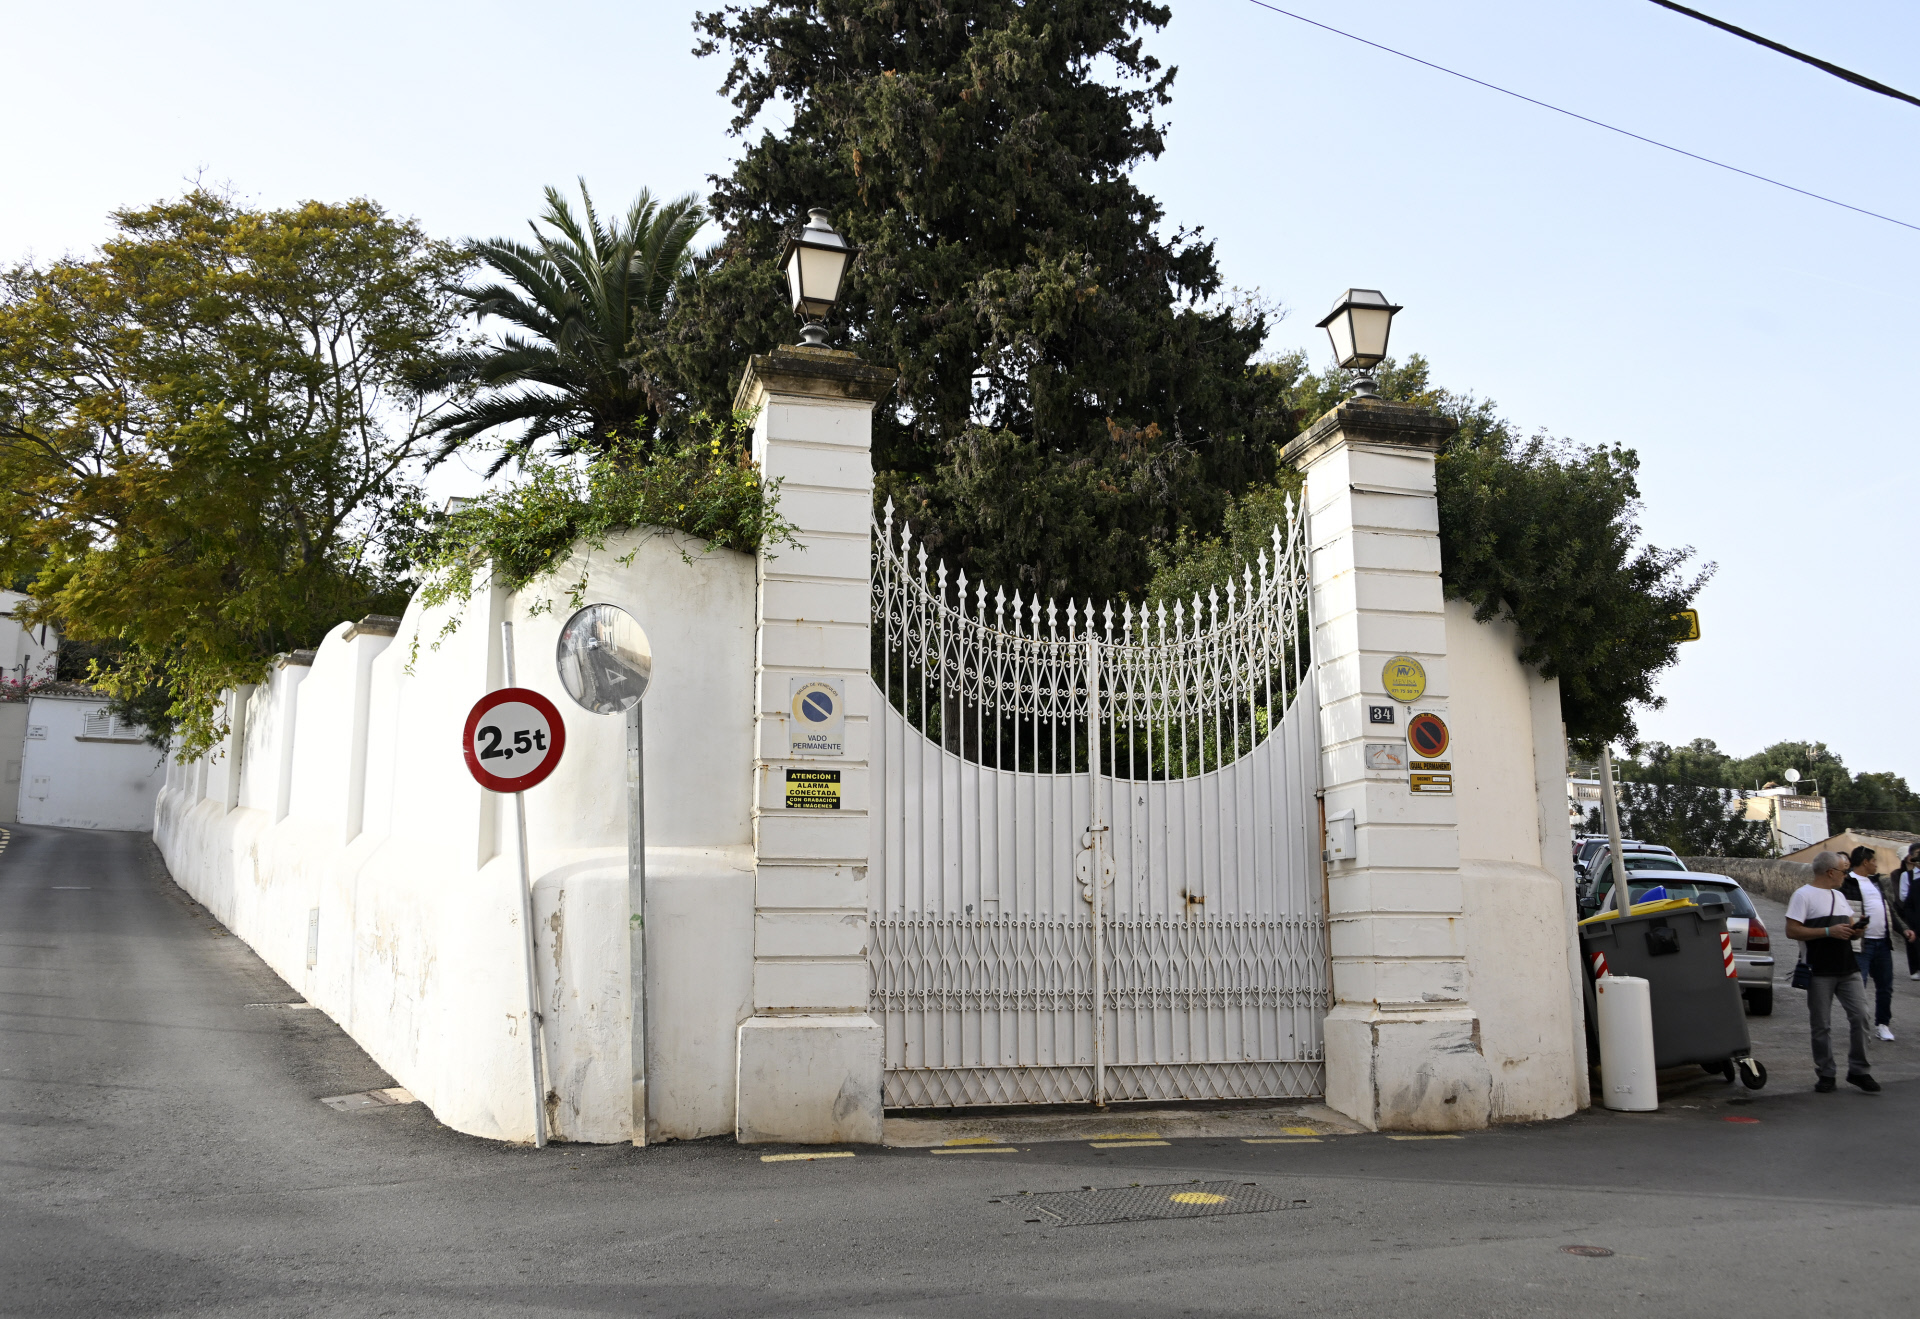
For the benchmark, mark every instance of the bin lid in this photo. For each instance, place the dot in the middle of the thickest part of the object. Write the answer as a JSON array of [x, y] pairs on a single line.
[[1644, 909]]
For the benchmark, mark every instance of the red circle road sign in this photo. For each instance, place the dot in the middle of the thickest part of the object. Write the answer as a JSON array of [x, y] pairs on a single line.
[[513, 739], [1427, 735]]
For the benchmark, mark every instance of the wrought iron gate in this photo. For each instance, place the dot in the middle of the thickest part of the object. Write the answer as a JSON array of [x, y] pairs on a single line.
[[1076, 807]]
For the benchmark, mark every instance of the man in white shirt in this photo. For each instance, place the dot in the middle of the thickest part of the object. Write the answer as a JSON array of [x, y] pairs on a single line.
[[1874, 950], [1907, 884], [1821, 918]]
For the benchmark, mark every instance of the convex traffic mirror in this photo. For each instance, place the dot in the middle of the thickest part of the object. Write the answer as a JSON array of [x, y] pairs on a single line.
[[604, 659]]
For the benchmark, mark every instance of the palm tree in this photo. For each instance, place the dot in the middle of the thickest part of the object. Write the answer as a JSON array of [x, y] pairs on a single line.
[[581, 300]]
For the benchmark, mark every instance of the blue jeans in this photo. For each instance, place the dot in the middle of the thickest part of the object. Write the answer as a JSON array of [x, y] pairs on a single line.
[[1876, 969]]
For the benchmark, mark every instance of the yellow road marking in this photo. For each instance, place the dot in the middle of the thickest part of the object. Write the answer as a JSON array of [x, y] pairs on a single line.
[[1129, 1135], [978, 1149], [1197, 1198], [973, 1140], [1424, 1138], [1124, 1144], [1281, 1140], [1299, 1131], [792, 1158]]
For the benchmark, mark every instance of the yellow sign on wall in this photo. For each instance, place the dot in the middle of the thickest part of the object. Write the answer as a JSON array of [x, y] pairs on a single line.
[[1404, 679], [813, 789]]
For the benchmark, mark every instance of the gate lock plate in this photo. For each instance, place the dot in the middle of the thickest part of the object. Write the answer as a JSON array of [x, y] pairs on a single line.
[[1083, 864]]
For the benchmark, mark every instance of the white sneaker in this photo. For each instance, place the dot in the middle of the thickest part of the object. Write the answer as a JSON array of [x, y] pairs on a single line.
[[1884, 1032], [1914, 976]]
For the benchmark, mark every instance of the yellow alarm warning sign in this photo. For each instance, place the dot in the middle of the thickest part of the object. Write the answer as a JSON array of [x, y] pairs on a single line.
[[813, 789]]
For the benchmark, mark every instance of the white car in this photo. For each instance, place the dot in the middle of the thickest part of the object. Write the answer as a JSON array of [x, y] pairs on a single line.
[[1752, 944]]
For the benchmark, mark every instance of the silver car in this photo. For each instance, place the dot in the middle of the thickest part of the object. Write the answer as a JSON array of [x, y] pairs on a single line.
[[1752, 944]]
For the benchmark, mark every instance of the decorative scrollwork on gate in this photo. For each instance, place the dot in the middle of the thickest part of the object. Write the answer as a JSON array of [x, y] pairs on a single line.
[[1019, 684]]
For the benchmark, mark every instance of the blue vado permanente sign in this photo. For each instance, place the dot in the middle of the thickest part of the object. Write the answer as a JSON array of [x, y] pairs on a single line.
[[817, 717]]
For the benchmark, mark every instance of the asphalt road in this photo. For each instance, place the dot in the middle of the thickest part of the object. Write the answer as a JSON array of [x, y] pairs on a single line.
[[163, 1151]]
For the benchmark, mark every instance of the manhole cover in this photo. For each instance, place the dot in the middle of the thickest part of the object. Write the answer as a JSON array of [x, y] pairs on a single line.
[[1131, 1204], [1591, 1252]]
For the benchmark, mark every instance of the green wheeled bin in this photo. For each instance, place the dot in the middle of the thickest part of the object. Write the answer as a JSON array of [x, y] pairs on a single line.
[[1682, 950]]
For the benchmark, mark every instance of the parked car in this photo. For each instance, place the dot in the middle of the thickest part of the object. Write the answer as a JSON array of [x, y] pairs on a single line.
[[1599, 867], [1752, 944], [1590, 848]]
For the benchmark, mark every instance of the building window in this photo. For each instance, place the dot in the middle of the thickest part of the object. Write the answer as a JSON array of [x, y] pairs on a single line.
[[105, 726]]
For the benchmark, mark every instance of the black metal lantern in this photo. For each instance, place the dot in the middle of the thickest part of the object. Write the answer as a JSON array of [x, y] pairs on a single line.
[[1358, 325], [815, 261]]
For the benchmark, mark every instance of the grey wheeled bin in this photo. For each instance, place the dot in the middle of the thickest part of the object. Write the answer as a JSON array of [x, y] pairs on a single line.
[[1676, 946]]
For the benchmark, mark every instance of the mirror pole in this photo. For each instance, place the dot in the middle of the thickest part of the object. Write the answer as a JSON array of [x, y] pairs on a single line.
[[637, 920]]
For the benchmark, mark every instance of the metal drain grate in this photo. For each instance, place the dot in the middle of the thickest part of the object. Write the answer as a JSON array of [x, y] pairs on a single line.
[[1132, 1204]]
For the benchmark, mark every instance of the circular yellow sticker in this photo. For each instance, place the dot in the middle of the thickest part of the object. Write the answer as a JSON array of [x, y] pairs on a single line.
[[1405, 680]]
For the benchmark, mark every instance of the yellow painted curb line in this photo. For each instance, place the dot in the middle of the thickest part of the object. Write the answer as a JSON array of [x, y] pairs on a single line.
[[1281, 1140], [978, 1149], [1124, 1144], [792, 1158], [1426, 1138]]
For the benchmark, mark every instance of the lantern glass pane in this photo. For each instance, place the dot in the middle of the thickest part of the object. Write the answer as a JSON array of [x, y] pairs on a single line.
[[820, 270], [1340, 330], [1369, 343], [793, 276]]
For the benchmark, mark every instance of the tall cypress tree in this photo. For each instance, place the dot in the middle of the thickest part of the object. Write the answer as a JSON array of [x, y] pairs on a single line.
[[1072, 388]]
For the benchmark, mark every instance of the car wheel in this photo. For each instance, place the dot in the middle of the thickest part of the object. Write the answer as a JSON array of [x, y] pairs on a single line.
[[1760, 1003]]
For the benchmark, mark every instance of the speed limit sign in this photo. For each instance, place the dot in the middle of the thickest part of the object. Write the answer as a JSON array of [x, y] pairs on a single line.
[[513, 739]]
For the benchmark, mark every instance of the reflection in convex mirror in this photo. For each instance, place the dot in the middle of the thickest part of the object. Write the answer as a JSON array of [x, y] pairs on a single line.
[[604, 660]]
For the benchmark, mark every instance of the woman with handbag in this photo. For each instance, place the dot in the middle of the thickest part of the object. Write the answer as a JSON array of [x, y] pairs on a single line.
[[1825, 924]]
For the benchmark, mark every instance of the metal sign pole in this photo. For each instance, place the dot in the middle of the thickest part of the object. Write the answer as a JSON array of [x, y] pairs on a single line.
[[1097, 873], [1610, 807], [637, 919], [534, 1024]]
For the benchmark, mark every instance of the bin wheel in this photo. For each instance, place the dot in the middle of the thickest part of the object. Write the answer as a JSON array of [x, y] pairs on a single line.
[[1722, 1069], [1753, 1073]]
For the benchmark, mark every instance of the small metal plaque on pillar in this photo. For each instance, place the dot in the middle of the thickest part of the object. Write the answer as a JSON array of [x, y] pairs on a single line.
[[1387, 757], [817, 717]]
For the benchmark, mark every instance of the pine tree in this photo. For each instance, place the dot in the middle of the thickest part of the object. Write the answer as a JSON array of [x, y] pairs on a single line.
[[1074, 387]]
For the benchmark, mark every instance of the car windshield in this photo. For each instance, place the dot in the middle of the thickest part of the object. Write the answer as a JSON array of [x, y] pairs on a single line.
[[1642, 861], [1680, 885]]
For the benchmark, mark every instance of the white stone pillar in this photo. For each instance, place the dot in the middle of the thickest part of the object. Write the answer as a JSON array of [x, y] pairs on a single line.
[[1403, 1042], [810, 1056]]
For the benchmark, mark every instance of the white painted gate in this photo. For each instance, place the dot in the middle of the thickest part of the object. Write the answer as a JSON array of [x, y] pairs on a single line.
[[1024, 751]]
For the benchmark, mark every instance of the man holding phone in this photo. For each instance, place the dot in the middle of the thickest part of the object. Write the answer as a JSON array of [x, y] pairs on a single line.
[[1821, 918]]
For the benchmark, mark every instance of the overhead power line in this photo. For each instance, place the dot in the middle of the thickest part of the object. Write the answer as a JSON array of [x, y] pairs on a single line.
[[1848, 75], [1585, 119]]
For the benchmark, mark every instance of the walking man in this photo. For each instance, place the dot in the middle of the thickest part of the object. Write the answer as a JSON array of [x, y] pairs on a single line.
[[1822, 919], [1874, 951]]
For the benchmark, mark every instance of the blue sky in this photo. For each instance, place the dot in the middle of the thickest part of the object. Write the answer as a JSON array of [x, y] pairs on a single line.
[[1754, 346]]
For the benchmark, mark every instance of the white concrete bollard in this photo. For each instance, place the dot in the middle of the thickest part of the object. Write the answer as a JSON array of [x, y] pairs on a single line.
[[1627, 1081]]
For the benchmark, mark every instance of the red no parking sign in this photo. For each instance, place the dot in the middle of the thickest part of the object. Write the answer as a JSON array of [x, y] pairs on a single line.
[[513, 739], [1427, 735]]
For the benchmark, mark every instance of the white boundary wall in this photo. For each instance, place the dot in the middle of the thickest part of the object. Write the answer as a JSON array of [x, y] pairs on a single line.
[[341, 791], [338, 832]]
